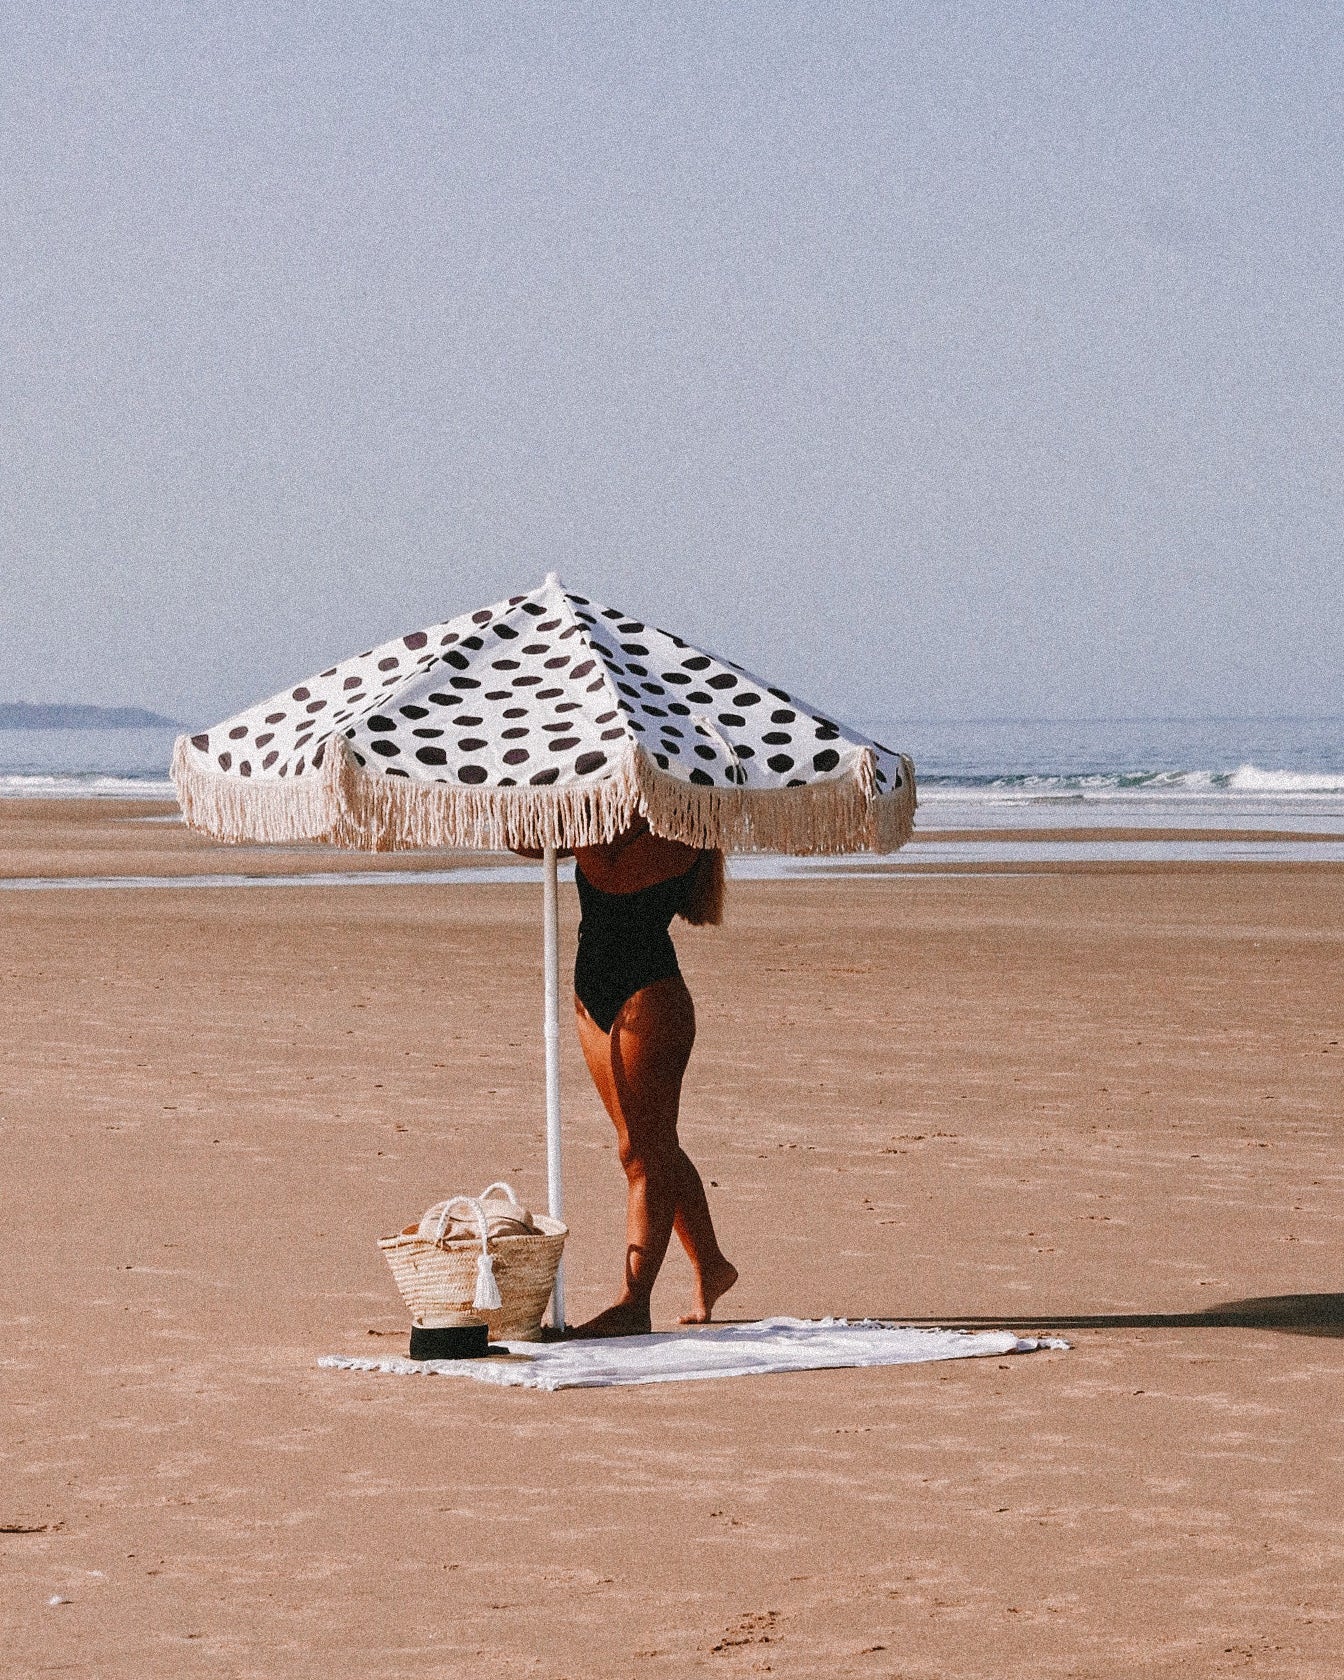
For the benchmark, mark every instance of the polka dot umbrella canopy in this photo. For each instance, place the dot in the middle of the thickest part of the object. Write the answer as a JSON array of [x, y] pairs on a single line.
[[545, 721]]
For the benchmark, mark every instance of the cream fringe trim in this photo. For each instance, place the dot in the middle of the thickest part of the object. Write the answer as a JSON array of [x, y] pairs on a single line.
[[347, 805]]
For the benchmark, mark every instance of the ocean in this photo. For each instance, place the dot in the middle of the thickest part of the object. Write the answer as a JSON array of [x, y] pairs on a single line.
[[1280, 776]]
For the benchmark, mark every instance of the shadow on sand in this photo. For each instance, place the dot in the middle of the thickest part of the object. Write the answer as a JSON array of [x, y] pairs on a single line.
[[1296, 1315]]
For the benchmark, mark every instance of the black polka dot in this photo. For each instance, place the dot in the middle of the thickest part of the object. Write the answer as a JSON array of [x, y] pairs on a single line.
[[380, 724], [587, 762], [385, 749], [517, 755], [780, 762], [472, 774], [828, 760], [544, 777], [201, 741], [431, 755]]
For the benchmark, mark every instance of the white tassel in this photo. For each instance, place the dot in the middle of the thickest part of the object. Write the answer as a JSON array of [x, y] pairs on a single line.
[[487, 1290]]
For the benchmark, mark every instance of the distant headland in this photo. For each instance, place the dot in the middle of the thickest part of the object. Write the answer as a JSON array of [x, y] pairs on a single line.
[[22, 714]]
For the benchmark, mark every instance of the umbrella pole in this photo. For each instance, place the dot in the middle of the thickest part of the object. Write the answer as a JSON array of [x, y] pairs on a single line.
[[555, 1193]]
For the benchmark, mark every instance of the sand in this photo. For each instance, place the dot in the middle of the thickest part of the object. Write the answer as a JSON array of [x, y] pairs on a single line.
[[1105, 1098]]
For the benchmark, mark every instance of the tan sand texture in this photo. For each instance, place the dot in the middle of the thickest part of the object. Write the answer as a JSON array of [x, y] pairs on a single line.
[[1108, 1099]]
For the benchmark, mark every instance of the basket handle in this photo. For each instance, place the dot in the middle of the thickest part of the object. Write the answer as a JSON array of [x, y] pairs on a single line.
[[474, 1210], [487, 1297], [499, 1184]]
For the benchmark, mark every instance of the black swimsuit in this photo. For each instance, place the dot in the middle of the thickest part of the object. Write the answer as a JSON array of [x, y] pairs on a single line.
[[624, 944]]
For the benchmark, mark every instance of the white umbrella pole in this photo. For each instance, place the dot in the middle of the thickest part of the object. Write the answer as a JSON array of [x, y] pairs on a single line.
[[555, 1192]]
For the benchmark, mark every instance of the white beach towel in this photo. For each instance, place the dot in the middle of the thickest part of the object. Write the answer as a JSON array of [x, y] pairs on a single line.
[[720, 1350]]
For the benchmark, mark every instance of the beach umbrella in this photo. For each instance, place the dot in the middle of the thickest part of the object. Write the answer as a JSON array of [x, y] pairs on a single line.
[[544, 721]]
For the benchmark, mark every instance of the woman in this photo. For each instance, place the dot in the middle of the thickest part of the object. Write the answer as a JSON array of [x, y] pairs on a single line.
[[637, 1025]]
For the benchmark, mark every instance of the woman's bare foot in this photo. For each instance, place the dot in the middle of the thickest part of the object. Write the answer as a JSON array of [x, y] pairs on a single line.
[[710, 1285], [626, 1318]]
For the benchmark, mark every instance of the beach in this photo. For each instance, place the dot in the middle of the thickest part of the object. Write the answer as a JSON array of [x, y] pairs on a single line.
[[1096, 1099]]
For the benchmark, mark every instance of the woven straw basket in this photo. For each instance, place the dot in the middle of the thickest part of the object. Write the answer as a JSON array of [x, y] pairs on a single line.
[[440, 1281]]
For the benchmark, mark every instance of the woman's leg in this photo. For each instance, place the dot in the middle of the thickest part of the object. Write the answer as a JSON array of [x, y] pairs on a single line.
[[714, 1273], [638, 1071]]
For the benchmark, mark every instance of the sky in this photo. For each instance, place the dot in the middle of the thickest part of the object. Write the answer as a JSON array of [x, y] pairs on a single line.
[[929, 360]]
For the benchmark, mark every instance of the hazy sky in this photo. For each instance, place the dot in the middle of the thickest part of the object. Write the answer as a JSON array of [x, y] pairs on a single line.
[[933, 360]]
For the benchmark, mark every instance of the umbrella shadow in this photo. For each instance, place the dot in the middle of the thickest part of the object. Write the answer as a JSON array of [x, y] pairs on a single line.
[[1294, 1315]]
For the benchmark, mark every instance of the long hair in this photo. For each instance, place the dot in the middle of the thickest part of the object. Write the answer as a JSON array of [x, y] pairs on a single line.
[[703, 906]]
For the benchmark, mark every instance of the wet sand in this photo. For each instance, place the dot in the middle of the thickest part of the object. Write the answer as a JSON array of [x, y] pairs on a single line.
[[1107, 1099]]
